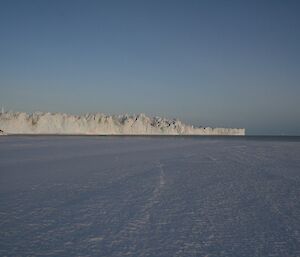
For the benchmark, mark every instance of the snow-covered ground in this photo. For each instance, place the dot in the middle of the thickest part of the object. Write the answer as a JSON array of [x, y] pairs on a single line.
[[149, 196], [101, 124]]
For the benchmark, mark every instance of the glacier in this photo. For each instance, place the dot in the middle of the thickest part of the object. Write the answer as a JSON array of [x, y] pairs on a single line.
[[102, 124]]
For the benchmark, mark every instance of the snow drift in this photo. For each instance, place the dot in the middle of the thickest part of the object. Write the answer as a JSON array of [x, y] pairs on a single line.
[[101, 124]]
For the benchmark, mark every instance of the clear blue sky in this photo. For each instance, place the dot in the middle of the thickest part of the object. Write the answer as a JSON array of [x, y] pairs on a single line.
[[217, 63]]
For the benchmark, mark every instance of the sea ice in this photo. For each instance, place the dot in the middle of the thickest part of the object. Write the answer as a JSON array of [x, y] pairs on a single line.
[[149, 196]]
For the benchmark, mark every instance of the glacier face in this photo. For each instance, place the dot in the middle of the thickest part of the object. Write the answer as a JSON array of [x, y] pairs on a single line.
[[101, 124]]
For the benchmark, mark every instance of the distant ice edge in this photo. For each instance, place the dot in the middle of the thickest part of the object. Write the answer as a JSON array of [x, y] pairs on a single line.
[[101, 124]]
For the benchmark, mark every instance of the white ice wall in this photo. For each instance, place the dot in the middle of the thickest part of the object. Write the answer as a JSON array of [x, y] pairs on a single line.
[[100, 124]]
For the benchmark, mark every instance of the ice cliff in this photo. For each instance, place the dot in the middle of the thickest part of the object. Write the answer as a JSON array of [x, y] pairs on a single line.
[[101, 124]]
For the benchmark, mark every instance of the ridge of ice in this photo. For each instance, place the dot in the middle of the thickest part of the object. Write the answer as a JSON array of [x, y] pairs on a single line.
[[102, 124]]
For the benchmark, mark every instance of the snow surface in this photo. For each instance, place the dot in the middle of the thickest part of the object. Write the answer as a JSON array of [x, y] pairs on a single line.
[[149, 196], [101, 124]]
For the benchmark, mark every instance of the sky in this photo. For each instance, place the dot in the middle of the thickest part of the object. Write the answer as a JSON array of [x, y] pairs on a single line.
[[208, 63]]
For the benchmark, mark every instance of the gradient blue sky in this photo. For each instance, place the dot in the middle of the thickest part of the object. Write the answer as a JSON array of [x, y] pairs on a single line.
[[217, 63]]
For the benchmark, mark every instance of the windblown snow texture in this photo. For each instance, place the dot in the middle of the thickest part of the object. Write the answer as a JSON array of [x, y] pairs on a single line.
[[149, 196], [100, 124]]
